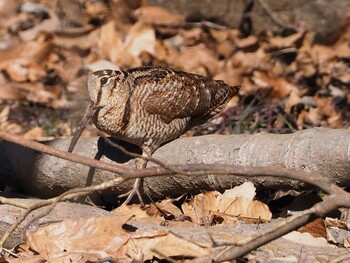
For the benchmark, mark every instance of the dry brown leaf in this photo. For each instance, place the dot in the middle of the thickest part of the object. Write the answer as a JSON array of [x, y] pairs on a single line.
[[247, 43], [24, 53], [335, 121], [26, 259], [312, 115], [201, 206], [280, 86], [7, 91], [334, 222], [316, 228], [250, 61], [225, 48], [231, 75], [202, 60], [110, 40], [154, 213], [325, 106], [36, 92], [191, 37], [169, 244], [285, 42], [293, 99], [105, 234], [158, 15], [13, 128], [335, 70], [8, 8], [169, 209], [204, 206], [49, 25], [96, 9], [136, 211], [140, 38], [102, 237], [4, 114], [250, 211], [247, 190], [22, 71], [37, 134], [164, 51], [305, 65], [219, 35]]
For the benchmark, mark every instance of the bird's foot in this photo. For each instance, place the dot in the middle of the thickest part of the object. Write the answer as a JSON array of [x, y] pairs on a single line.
[[134, 191]]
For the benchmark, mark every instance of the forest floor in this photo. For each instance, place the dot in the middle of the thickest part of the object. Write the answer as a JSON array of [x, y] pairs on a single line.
[[289, 82]]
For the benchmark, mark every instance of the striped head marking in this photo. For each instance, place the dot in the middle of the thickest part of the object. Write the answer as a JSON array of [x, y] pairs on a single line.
[[106, 86]]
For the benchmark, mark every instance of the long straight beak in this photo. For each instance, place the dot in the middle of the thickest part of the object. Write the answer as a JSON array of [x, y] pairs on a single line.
[[90, 110]]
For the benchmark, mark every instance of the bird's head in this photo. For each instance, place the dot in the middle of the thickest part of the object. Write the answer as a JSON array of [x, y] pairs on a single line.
[[107, 87]]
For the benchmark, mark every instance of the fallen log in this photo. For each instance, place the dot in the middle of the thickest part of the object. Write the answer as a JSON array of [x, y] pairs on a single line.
[[321, 151]]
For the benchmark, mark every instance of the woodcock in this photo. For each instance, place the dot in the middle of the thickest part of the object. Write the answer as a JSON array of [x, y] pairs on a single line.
[[149, 106]]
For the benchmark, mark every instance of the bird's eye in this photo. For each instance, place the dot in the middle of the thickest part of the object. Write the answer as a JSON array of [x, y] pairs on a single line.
[[103, 81]]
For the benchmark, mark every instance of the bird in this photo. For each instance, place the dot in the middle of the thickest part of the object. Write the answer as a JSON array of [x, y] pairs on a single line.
[[152, 105]]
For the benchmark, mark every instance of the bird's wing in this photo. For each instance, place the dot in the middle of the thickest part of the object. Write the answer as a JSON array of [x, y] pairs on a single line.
[[176, 94]]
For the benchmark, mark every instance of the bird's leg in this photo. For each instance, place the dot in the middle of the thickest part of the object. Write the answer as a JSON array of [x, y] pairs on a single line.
[[137, 185]]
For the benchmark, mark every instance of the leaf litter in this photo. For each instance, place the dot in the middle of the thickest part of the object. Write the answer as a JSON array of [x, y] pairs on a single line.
[[289, 83]]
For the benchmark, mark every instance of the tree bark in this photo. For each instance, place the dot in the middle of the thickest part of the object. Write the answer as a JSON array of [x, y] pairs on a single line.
[[321, 151]]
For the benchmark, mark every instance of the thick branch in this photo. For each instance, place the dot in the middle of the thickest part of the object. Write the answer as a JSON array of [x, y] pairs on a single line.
[[322, 151]]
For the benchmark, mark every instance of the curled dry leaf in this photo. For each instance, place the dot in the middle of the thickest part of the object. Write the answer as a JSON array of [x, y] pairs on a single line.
[[134, 211], [285, 42], [37, 134], [334, 222], [229, 206], [125, 53], [246, 190], [26, 71], [247, 43], [158, 15], [202, 60], [153, 213], [230, 74], [110, 40], [101, 237], [8, 8], [251, 61], [4, 114], [96, 9], [293, 99], [36, 92], [49, 25], [219, 35], [7, 92], [140, 38], [25, 52], [280, 86]]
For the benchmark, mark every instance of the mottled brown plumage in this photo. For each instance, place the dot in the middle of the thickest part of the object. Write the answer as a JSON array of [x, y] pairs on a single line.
[[149, 106]]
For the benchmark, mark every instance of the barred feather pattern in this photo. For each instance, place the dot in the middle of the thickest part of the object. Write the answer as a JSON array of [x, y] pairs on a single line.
[[149, 106]]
